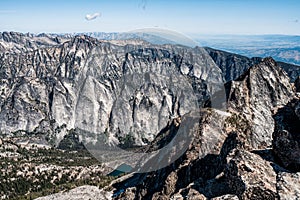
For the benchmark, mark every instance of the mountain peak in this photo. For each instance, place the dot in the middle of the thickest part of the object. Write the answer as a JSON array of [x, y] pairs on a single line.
[[269, 61], [258, 93]]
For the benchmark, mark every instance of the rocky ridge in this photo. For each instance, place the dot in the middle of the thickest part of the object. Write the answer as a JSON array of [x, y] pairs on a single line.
[[234, 65], [244, 164]]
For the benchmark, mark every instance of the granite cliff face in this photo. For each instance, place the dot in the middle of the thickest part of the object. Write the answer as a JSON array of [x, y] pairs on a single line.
[[140, 94], [51, 87], [29, 81]]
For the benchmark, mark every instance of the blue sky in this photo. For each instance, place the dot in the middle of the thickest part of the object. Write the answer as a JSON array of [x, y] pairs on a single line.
[[185, 16]]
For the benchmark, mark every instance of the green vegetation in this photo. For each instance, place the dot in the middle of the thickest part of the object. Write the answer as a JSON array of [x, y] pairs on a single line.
[[127, 141], [71, 142], [28, 173]]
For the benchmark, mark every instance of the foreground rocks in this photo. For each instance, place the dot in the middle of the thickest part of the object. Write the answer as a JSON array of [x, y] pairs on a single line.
[[286, 137], [250, 177], [83, 192]]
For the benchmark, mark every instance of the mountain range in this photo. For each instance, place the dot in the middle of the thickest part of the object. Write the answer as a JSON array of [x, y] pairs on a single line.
[[232, 121]]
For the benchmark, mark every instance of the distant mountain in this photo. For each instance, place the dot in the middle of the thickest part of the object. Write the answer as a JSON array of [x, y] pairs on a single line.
[[281, 47], [233, 65]]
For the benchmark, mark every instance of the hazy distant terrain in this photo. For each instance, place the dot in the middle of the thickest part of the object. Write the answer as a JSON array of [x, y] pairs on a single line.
[[285, 48], [281, 47]]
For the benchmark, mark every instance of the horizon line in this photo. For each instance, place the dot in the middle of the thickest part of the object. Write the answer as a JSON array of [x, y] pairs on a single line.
[[124, 32]]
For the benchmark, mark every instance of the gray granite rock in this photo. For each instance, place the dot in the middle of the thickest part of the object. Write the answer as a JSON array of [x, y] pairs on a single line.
[[288, 186], [286, 137]]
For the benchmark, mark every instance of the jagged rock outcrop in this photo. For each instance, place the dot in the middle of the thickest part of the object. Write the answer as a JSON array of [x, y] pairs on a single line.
[[233, 173], [255, 97], [250, 177], [202, 162], [286, 137], [292, 70]]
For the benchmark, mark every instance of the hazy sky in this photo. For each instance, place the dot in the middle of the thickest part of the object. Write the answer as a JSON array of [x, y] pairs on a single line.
[[186, 16]]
